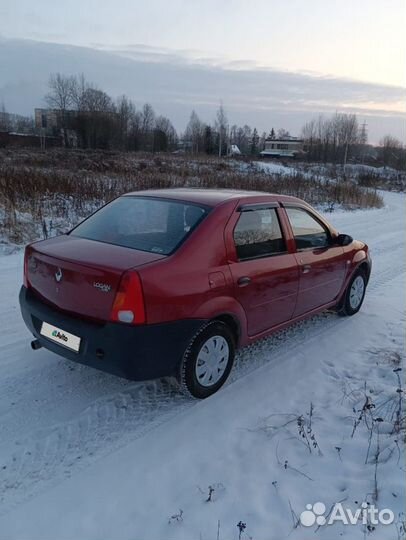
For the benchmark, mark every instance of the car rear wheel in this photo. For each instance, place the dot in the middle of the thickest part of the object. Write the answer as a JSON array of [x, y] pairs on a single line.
[[354, 295], [208, 360]]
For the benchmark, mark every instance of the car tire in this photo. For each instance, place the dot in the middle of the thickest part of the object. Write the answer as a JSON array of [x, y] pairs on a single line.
[[354, 295], [207, 361]]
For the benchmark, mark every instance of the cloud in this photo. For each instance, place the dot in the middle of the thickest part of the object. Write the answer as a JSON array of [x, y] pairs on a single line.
[[177, 81]]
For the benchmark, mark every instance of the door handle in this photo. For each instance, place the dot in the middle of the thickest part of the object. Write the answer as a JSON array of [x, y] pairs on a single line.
[[244, 281], [306, 268]]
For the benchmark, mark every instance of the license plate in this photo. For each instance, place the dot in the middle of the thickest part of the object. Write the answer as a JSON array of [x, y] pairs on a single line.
[[60, 336]]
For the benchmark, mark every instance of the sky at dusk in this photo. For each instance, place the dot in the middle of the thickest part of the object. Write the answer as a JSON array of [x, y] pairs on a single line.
[[270, 62]]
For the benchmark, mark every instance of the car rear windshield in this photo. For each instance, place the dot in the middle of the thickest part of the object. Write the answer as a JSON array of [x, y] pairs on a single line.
[[144, 223]]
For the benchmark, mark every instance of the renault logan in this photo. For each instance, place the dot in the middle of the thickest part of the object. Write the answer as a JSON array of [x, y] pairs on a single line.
[[170, 282]]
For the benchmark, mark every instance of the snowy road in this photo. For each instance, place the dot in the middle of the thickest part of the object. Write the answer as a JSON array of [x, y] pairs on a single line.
[[59, 421]]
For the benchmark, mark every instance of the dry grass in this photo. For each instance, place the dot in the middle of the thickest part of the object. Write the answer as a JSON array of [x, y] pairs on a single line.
[[62, 186]]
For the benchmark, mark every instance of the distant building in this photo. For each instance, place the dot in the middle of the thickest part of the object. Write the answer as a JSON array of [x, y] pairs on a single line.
[[10, 139], [48, 122], [288, 147], [183, 145]]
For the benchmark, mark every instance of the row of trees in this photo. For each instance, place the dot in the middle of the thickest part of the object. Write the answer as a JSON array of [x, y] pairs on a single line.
[[100, 122], [392, 153], [221, 137], [335, 139], [340, 138]]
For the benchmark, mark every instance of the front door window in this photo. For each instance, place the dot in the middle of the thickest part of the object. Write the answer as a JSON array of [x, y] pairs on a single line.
[[307, 230]]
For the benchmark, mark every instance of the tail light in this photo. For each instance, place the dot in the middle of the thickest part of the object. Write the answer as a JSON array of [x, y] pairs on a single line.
[[25, 275], [128, 306]]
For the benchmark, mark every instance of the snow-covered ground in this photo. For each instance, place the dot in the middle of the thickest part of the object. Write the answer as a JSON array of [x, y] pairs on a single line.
[[330, 171], [274, 167], [87, 456]]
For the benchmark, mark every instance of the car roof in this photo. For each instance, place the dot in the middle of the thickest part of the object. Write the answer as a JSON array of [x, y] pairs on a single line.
[[213, 197]]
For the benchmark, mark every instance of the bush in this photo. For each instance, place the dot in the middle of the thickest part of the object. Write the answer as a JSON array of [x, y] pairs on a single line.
[[58, 188]]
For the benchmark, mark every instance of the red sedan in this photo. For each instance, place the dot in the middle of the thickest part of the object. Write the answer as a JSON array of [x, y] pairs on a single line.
[[170, 282]]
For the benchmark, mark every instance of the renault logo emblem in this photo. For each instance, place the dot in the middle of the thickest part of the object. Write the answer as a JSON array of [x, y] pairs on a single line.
[[58, 275]]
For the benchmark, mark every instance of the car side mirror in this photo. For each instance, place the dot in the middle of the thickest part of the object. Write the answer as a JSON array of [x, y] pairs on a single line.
[[343, 239]]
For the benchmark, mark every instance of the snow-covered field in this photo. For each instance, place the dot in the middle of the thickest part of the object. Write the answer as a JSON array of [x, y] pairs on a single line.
[[87, 456]]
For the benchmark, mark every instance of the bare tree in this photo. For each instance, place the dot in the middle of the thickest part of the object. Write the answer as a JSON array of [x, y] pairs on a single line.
[[332, 139], [165, 136], [362, 140], [60, 99], [243, 139], [135, 136], [148, 118], [325, 130], [95, 100], [147, 126], [392, 152], [4, 118], [78, 91], [96, 121], [222, 128], [283, 134], [309, 136], [195, 132], [347, 127], [125, 111], [60, 91], [254, 142]]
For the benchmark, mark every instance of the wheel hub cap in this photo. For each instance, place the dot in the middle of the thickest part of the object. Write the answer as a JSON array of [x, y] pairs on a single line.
[[212, 360], [356, 292]]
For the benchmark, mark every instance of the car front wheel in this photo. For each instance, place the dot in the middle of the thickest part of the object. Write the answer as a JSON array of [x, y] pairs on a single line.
[[208, 360], [354, 295]]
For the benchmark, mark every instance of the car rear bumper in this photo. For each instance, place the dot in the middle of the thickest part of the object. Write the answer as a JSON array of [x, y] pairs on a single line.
[[133, 352]]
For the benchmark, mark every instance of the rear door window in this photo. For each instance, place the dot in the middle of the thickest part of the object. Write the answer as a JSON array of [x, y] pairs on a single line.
[[147, 224], [258, 234]]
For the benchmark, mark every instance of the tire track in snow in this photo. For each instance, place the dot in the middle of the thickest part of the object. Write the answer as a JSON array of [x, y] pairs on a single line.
[[54, 454], [47, 456]]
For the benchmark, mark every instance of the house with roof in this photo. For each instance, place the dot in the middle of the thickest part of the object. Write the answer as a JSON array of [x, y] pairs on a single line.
[[286, 147]]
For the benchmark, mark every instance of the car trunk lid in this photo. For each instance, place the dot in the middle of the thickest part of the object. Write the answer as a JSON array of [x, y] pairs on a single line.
[[81, 276]]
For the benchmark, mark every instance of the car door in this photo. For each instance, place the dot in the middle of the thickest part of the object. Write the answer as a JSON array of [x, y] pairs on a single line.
[[265, 275], [321, 263]]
